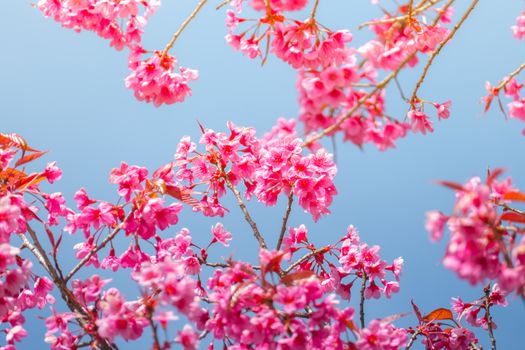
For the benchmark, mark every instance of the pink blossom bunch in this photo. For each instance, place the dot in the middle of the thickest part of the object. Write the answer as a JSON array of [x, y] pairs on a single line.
[[471, 311], [381, 335], [395, 43], [279, 5], [328, 95], [251, 311], [481, 245], [518, 30], [302, 44], [154, 80], [120, 317], [358, 260], [121, 22], [439, 335], [267, 167]]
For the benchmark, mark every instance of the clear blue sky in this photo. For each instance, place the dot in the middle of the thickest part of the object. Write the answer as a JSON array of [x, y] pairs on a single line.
[[64, 93]]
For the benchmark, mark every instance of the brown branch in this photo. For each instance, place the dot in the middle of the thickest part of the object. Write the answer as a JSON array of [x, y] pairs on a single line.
[[304, 258], [183, 26], [440, 46], [285, 220], [245, 211], [412, 340], [510, 76], [487, 305], [84, 319], [362, 300], [314, 11], [97, 248]]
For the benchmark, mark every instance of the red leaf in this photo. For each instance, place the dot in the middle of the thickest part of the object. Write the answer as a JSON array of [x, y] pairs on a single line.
[[514, 196], [28, 181], [492, 175], [439, 314], [513, 217], [297, 276], [15, 140], [29, 158], [452, 185], [12, 176], [488, 101], [51, 237], [182, 194], [416, 310]]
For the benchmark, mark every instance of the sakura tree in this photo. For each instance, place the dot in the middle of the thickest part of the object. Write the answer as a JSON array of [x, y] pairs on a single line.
[[133, 267]]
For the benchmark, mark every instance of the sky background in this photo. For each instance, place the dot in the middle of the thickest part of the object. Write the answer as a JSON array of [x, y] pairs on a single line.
[[64, 92]]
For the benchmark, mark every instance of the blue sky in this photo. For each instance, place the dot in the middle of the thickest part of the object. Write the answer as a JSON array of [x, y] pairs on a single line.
[[64, 92]]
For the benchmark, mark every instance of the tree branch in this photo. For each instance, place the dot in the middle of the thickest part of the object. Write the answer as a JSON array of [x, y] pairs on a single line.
[[97, 248], [285, 220], [487, 305], [510, 76], [183, 26], [304, 258], [440, 46], [362, 300]]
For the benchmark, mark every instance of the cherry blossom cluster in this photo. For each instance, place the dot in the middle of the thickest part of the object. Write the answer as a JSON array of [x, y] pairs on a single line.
[[510, 85], [471, 311], [267, 167], [336, 97], [157, 79], [439, 335], [485, 233], [274, 306], [121, 22]]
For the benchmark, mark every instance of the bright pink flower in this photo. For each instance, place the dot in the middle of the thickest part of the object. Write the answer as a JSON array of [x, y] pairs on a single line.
[[188, 338], [52, 172], [420, 121], [381, 335], [155, 81], [518, 30], [443, 109], [220, 234], [435, 224]]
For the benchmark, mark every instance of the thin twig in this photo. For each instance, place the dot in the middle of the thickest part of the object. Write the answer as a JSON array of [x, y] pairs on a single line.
[[84, 319], [510, 76], [183, 26], [412, 340], [440, 46], [415, 12], [303, 259], [97, 248], [285, 220], [362, 301], [314, 11], [489, 317], [245, 211]]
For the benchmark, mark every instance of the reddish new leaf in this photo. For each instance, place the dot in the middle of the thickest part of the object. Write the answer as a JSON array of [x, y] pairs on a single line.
[[182, 194], [514, 196], [297, 276], [416, 310], [452, 185], [28, 181], [493, 175], [513, 217], [15, 140], [29, 158], [439, 314]]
